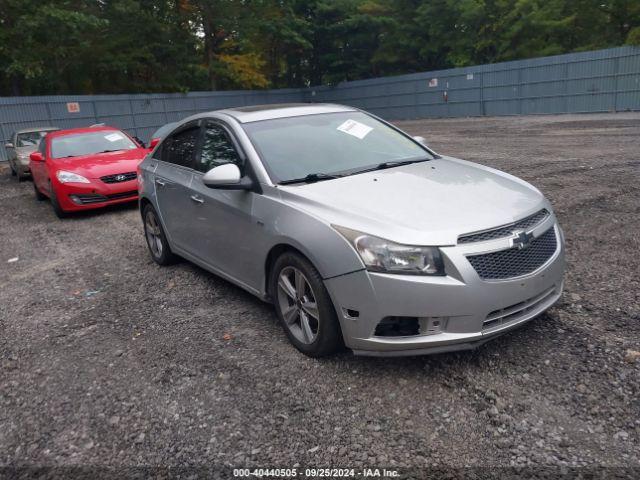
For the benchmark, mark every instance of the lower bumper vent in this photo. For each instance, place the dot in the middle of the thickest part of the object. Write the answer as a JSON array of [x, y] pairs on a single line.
[[89, 198], [517, 311]]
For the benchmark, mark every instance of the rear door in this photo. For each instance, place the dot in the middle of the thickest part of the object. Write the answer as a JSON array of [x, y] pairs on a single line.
[[225, 236], [172, 180]]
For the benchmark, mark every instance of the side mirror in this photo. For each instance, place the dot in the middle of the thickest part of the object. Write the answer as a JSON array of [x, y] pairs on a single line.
[[8, 145], [36, 157], [153, 143], [227, 177], [421, 140]]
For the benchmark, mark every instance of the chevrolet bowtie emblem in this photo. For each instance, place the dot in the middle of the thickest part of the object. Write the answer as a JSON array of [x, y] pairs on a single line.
[[521, 239]]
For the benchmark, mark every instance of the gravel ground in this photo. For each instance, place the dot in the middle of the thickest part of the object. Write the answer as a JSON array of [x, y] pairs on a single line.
[[109, 360]]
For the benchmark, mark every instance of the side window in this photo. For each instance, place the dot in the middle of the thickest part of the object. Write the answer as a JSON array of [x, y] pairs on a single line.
[[180, 147], [217, 149]]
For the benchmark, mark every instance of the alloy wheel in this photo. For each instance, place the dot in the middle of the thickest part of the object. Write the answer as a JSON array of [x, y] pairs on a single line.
[[152, 230], [298, 306]]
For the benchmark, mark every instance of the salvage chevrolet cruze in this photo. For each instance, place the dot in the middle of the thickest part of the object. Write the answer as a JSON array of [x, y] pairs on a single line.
[[358, 233]]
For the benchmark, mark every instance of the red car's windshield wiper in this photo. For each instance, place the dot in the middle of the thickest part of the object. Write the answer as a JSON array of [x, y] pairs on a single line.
[[312, 177]]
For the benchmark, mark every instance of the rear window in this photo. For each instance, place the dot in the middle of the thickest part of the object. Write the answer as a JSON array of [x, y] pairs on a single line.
[[90, 143]]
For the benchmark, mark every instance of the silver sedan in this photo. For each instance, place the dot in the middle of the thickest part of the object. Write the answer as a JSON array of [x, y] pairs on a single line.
[[359, 234], [21, 144]]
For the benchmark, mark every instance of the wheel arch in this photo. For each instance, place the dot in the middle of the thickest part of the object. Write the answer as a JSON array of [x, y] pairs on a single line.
[[144, 201], [274, 253]]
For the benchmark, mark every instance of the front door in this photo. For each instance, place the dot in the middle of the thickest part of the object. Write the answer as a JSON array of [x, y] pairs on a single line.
[[226, 233]]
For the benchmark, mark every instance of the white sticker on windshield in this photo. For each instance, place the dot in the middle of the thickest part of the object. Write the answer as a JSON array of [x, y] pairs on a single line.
[[357, 129], [113, 137]]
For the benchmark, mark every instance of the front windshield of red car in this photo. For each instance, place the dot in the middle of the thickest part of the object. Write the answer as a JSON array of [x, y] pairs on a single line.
[[90, 143]]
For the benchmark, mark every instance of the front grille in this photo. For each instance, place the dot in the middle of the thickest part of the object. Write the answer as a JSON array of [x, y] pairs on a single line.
[[515, 262], [506, 230], [515, 312], [119, 177]]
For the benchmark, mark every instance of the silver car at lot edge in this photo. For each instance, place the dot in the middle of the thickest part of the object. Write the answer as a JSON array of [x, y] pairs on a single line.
[[21, 144], [358, 233]]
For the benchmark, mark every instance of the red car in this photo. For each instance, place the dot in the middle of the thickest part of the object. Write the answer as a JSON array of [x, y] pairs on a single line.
[[86, 168]]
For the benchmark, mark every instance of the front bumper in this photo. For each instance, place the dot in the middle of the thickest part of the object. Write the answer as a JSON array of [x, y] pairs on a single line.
[[87, 196], [22, 165], [469, 311]]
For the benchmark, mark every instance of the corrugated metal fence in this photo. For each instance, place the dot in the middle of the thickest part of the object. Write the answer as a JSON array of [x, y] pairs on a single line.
[[599, 81]]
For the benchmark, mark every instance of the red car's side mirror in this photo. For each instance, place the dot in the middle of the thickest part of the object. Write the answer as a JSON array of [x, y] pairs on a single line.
[[153, 143], [36, 157]]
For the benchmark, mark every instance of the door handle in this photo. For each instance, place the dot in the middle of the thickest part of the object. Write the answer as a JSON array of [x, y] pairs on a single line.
[[197, 199], [162, 183]]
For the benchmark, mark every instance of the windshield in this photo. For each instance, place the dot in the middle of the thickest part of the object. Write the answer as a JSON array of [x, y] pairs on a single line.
[[29, 139], [331, 143], [89, 143]]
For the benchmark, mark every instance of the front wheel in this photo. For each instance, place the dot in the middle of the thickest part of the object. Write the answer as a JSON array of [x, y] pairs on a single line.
[[304, 307], [59, 211], [39, 195]]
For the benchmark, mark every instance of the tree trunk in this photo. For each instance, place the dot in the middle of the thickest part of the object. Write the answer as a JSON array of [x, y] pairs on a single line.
[[209, 45]]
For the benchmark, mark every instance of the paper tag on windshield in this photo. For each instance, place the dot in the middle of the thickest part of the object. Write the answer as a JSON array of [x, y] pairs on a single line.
[[113, 137], [357, 129]]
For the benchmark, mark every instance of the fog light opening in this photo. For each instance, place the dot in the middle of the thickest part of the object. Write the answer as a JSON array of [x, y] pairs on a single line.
[[350, 313], [398, 327]]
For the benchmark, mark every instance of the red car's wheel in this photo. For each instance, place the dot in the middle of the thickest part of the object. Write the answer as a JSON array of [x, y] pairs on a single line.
[[39, 195], [60, 212]]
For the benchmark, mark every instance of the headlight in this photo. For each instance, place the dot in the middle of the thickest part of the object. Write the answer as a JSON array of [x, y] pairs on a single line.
[[380, 255], [70, 177]]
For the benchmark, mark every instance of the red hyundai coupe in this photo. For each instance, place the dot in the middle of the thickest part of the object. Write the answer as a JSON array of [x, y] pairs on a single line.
[[86, 168]]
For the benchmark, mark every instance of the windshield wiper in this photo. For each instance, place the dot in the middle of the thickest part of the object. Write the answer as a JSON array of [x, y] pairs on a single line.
[[312, 177], [109, 151], [385, 165]]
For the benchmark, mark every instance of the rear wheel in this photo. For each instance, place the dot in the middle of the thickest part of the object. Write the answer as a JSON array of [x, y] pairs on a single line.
[[60, 212], [156, 239], [304, 307]]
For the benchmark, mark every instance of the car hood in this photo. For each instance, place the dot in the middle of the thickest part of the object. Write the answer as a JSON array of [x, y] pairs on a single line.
[[101, 164], [25, 151], [427, 203]]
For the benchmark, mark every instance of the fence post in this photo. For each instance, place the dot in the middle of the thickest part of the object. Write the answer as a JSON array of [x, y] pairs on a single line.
[[616, 76], [482, 108], [95, 112], [133, 117]]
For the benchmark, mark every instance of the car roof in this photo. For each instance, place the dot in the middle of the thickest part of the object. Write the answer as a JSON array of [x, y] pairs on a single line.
[[36, 129], [257, 113], [74, 131]]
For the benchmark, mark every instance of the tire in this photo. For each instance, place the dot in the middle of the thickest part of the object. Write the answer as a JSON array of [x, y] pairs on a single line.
[[322, 335], [59, 211], [156, 239], [39, 196]]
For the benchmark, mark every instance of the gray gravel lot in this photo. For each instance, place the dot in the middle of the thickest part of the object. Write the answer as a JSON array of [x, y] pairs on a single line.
[[107, 359]]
